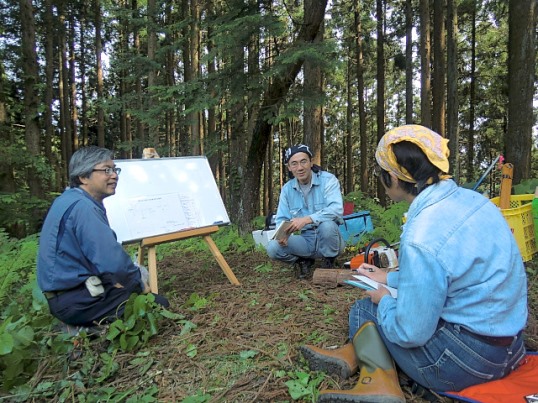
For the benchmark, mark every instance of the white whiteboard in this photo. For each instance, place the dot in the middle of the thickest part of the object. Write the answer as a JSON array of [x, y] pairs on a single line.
[[164, 195]]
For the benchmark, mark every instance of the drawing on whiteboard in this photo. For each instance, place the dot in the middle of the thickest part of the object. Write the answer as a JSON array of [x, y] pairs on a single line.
[[148, 214]]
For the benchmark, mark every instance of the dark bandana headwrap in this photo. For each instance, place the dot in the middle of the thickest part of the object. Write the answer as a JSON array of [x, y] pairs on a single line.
[[299, 148]]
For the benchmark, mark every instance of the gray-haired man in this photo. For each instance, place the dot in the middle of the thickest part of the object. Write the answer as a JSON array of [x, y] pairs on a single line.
[[83, 271]]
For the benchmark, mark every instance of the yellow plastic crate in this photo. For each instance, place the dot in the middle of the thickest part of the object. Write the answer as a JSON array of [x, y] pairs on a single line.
[[521, 222]]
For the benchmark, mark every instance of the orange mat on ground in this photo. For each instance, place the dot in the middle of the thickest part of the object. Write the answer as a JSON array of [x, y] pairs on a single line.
[[520, 386]]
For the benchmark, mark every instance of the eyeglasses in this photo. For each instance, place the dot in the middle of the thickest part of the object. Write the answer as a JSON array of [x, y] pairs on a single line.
[[295, 164], [109, 171]]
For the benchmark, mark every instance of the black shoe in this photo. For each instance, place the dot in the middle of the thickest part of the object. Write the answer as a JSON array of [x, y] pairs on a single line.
[[303, 267], [328, 262]]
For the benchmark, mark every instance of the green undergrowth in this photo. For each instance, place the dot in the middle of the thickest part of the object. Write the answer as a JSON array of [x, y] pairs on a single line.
[[32, 345]]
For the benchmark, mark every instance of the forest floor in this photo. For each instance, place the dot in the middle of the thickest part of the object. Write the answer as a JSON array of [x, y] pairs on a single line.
[[244, 345]]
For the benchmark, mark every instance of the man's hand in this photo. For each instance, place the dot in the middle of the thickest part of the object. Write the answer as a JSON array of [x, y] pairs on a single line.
[[144, 275], [146, 289], [297, 224]]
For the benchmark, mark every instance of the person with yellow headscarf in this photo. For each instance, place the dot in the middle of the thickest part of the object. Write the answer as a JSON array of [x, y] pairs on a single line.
[[461, 305]]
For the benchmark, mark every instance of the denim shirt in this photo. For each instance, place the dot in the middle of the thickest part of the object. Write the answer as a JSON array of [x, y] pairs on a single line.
[[458, 262], [323, 203], [81, 245]]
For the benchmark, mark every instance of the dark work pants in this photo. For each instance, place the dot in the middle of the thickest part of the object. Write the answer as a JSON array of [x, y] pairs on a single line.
[[78, 308]]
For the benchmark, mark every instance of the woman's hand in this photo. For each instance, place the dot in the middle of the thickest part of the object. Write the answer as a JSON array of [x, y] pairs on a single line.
[[373, 272], [376, 295]]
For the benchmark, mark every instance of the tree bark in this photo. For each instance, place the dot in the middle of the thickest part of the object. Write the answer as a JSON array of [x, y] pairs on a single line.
[[31, 99], [364, 176], [521, 81], [425, 71], [99, 74], [408, 62], [439, 49], [152, 73], [49, 82], [452, 88], [73, 117], [244, 211], [7, 177], [380, 75], [195, 116], [313, 110], [348, 139], [472, 99]]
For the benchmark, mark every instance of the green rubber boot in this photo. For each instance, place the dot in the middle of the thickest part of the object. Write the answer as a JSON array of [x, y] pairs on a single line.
[[378, 380]]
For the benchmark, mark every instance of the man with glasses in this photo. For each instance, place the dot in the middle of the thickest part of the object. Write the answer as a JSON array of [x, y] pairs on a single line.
[[312, 201], [83, 271]]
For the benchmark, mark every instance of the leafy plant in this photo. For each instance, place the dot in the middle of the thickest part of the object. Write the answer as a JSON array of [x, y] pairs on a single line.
[[138, 324], [264, 268], [196, 302], [302, 385], [17, 263], [527, 186]]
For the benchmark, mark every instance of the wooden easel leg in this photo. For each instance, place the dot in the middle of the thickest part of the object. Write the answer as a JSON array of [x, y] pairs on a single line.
[[152, 269], [140, 255], [220, 259]]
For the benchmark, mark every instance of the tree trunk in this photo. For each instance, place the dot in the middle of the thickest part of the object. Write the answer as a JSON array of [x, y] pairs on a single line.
[[83, 77], [360, 95], [348, 140], [438, 87], [195, 116], [244, 211], [152, 73], [73, 117], [99, 74], [49, 86], [425, 71], [408, 62], [139, 129], [452, 89], [521, 73], [380, 76], [313, 110], [472, 99], [185, 139], [213, 136], [31, 100], [7, 177]]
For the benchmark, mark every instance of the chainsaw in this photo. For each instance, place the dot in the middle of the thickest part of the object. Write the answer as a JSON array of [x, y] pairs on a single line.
[[383, 256]]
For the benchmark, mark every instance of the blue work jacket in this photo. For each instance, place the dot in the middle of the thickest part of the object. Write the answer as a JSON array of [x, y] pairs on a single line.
[[323, 203], [76, 242], [458, 262]]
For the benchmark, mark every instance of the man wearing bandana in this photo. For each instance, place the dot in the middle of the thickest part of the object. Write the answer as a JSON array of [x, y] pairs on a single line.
[[462, 289], [312, 201]]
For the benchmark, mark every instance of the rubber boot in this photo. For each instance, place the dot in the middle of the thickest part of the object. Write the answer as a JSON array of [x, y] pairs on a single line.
[[378, 380], [341, 361]]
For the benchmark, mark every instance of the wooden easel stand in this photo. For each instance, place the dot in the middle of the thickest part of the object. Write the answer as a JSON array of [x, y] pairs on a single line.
[[150, 244]]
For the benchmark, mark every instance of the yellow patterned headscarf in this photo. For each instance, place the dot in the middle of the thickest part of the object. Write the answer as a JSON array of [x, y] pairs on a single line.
[[432, 144]]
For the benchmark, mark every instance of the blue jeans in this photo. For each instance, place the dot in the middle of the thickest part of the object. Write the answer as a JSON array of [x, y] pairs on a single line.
[[324, 240], [451, 360], [78, 308]]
